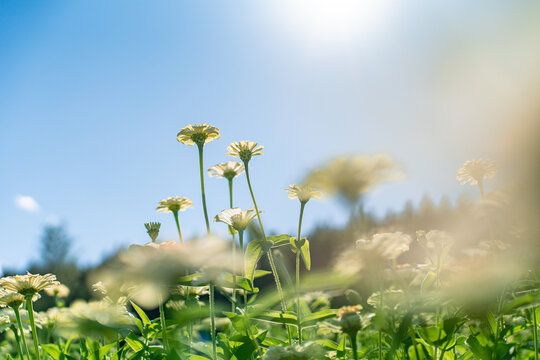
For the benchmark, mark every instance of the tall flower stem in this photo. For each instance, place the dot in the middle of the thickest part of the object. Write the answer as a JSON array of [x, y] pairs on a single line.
[[233, 247], [269, 253], [175, 213], [354, 345], [202, 188], [298, 239], [30, 308], [381, 304], [213, 321], [535, 333], [17, 340], [212, 287], [163, 327], [18, 317], [242, 263]]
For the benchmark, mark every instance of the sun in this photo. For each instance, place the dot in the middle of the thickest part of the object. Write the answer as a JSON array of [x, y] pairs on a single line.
[[333, 21]]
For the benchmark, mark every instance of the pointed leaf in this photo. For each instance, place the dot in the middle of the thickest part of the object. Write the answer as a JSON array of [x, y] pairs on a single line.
[[254, 251]]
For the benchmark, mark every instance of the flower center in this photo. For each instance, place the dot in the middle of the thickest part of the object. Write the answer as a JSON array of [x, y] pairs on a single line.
[[199, 138], [245, 155]]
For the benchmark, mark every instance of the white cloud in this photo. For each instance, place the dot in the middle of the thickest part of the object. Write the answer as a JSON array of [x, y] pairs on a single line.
[[26, 203]]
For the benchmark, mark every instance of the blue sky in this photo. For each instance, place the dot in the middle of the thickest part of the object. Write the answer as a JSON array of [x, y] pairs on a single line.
[[92, 95]]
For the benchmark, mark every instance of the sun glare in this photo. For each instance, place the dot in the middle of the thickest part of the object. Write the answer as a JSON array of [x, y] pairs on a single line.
[[334, 21]]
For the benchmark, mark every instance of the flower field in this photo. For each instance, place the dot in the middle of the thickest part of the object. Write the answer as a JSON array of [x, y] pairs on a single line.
[[468, 291]]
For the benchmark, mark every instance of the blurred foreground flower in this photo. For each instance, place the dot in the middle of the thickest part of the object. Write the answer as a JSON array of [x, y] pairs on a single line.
[[228, 170], [308, 351], [352, 177], [58, 291], [154, 268], [303, 192], [199, 134], [244, 150], [373, 254], [96, 319], [475, 171]]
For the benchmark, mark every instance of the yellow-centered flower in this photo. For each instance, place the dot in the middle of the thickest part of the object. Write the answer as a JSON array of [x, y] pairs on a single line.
[[244, 150], [236, 218], [228, 170], [303, 192], [199, 134], [174, 204], [29, 284], [476, 170]]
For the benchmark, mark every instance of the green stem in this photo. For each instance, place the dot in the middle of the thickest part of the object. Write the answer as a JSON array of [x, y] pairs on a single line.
[[163, 328], [19, 348], [30, 308], [233, 247], [175, 213], [202, 188], [242, 263], [269, 253], [354, 345], [298, 239], [535, 334], [18, 317], [381, 304], [213, 322]]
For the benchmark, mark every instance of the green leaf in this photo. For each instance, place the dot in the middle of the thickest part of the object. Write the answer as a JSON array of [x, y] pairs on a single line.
[[478, 350], [417, 352], [518, 302], [491, 322], [304, 250], [254, 251], [432, 334], [342, 347], [141, 313], [53, 350], [277, 317], [429, 279], [318, 316], [136, 344], [279, 240]]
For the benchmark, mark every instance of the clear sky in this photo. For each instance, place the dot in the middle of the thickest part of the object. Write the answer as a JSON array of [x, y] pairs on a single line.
[[92, 94]]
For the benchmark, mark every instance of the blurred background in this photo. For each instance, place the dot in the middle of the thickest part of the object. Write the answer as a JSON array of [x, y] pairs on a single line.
[[92, 95]]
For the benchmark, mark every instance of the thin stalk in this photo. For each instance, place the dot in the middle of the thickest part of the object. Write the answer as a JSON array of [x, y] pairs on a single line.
[[163, 327], [19, 348], [30, 308], [213, 322], [18, 317], [233, 247], [212, 289], [354, 345], [175, 213], [535, 334], [202, 188], [269, 253], [242, 263], [298, 239], [381, 304]]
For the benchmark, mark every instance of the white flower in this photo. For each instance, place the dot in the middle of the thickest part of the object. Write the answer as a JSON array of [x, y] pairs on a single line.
[[237, 218], [303, 192]]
